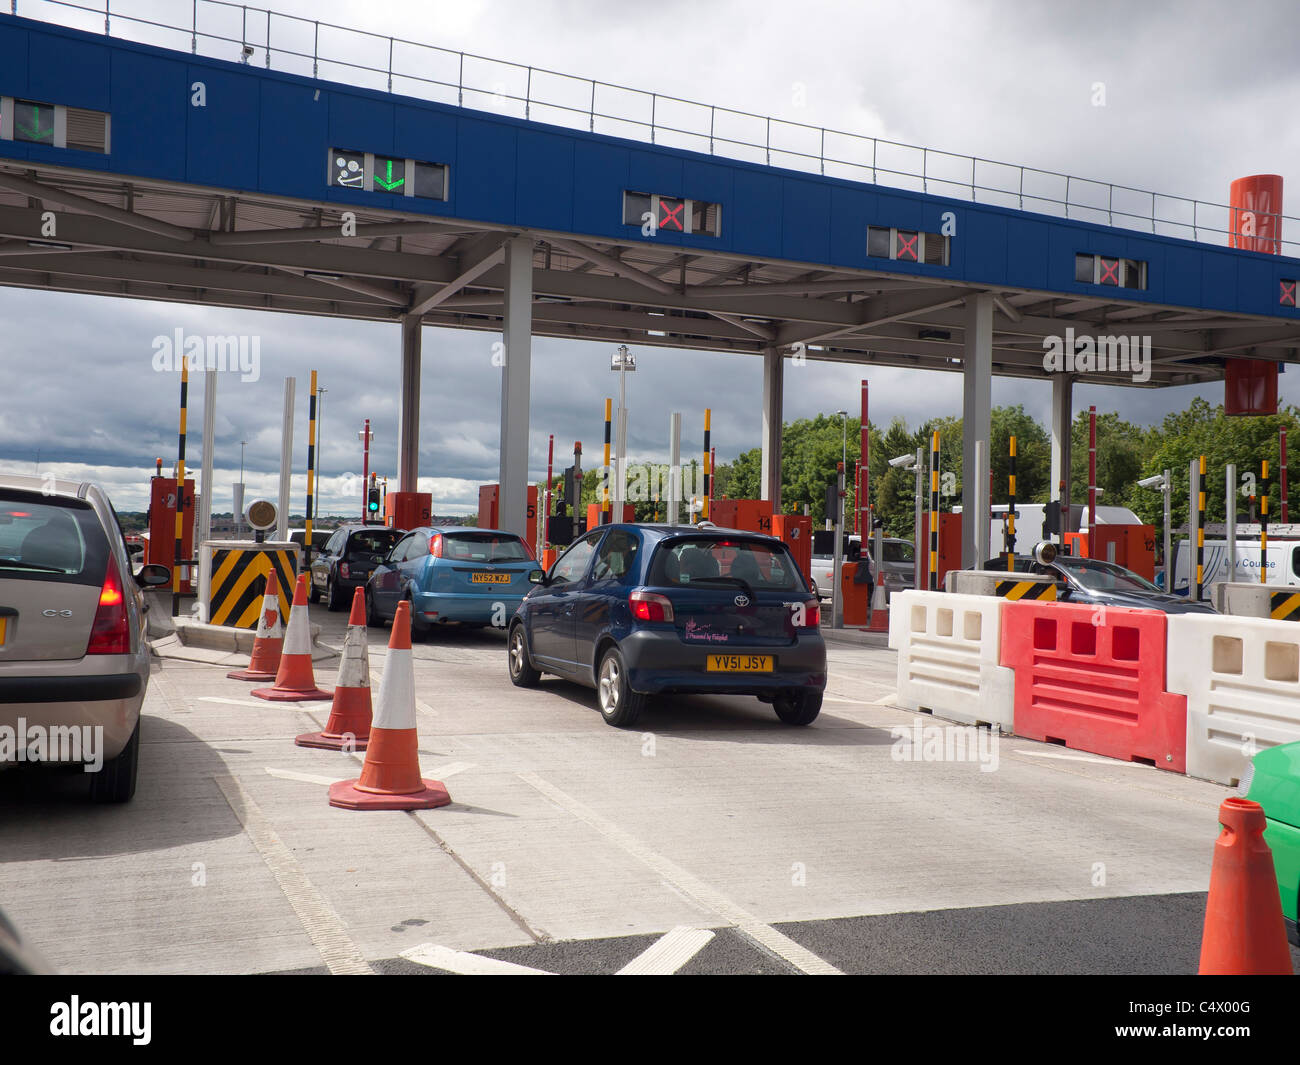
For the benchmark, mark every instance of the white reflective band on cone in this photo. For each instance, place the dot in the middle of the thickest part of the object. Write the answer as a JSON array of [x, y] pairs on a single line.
[[354, 665], [297, 638], [274, 631], [396, 691]]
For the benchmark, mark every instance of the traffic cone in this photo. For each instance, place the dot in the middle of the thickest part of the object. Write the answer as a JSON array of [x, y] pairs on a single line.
[[349, 724], [879, 607], [390, 778], [294, 681], [265, 660], [1244, 931]]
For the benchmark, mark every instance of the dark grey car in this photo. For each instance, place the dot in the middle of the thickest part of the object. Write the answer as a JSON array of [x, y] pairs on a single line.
[[1090, 580]]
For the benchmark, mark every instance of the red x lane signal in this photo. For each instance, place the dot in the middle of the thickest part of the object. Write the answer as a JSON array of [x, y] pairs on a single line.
[[672, 217], [1109, 272], [1287, 297], [907, 246]]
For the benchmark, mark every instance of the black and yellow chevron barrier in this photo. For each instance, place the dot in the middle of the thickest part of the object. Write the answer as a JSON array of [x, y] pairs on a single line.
[[1284, 606], [236, 589], [1025, 589]]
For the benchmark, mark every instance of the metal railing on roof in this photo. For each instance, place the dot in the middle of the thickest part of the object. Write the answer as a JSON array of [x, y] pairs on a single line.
[[293, 44]]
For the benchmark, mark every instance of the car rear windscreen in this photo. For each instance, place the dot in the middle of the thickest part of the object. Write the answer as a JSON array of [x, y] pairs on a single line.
[[484, 547], [706, 561], [42, 540], [372, 543]]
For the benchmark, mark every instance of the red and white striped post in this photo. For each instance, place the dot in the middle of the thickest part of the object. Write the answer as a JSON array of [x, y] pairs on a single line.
[[862, 512]]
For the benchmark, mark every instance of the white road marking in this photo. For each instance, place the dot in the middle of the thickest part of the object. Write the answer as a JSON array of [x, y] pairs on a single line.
[[668, 953], [765, 935], [1077, 758], [450, 770], [262, 704], [459, 961], [886, 700], [306, 778], [323, 926]]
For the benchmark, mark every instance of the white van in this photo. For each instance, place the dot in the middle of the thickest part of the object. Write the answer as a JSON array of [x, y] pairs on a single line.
[[1282, 560]]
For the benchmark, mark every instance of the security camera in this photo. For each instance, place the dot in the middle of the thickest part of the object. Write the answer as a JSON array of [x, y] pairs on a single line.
[[902, 460], [1157, 481]]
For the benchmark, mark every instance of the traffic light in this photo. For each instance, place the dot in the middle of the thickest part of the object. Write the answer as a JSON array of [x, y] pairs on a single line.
[[832, 502], [372, 500]]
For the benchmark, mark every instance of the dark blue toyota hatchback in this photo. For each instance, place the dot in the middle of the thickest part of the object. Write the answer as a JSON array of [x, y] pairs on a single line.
[[639, 610]]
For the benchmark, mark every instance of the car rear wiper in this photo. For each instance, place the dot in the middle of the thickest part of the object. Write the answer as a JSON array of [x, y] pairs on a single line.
[[13, 563], [744, 584]]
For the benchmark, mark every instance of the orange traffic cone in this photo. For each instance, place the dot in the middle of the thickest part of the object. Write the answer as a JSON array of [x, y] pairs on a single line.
[[1244, 932], [390, 778], [294, 681], [879, 607], [349, 724], [265, 660]]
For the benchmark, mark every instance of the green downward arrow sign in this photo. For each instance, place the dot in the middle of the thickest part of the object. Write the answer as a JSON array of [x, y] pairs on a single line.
[[388, 182], [35, 129]]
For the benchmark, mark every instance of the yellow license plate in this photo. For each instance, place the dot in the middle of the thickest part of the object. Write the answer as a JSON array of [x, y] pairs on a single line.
[[489, 578], [740, 664]]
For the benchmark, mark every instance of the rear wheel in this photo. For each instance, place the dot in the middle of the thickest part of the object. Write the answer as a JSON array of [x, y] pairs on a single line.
[[314, 594], [115, 781], [333, 601], [620, 706], [522, 672], [799, 706], [372, 615]]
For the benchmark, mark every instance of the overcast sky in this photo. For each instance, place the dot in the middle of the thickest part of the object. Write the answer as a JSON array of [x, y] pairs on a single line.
[[1195, 95]]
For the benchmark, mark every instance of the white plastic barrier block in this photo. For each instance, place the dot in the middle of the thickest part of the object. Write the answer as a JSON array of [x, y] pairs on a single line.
[[1241, 677], [948, 647]]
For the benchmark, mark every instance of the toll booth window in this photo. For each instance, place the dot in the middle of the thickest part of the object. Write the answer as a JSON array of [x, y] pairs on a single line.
[[389, 175], [1110, 270], [54, 125], [347, 169], [907, 245], [1295, 561], [672, 214], [87, 131], [706, 218], [1286, 293], [33, 122], [636, 205], [430, 181]]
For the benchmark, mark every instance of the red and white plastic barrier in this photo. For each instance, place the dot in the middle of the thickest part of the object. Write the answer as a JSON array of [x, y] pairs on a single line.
[[1093, 678]]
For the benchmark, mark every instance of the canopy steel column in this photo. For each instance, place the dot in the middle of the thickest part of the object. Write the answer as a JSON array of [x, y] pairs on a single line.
[[773, 396], [1062, 422], [515, 379], [977, 405], [408, 427]]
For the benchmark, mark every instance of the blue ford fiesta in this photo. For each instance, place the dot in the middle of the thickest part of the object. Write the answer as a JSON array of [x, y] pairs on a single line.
[[635, 610], [452, 574]]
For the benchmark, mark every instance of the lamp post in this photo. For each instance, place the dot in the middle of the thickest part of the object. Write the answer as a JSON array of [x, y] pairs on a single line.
[[914, 464], [621, 362]]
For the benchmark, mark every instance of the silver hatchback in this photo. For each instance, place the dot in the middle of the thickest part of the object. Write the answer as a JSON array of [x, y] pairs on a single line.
[[74, 663]]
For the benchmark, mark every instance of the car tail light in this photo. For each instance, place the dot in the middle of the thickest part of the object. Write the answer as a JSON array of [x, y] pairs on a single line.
[[650, 606], [110, 633], [810, 617], [343, 570], [435, 546]]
